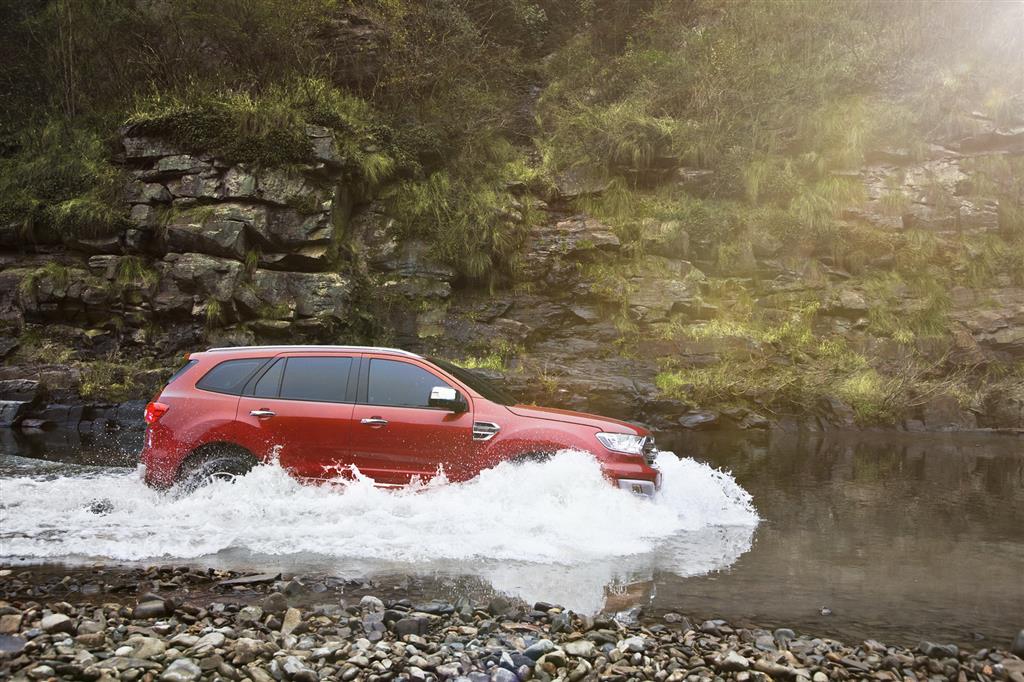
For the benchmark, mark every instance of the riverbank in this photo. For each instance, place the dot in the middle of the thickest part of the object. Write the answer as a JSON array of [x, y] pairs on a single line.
[[182, 624]]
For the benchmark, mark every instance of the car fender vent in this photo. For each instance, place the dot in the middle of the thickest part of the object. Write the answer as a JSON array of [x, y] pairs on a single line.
[[485, 430]]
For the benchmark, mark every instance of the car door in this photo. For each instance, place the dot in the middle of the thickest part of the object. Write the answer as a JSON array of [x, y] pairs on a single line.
[[300, 406], [396, 435]]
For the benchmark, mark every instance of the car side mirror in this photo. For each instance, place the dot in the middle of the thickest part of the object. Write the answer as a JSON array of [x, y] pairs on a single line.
[[447, 398]]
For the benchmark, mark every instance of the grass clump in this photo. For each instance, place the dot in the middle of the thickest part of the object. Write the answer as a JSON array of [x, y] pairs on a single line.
[[269, 128], [58, 179]]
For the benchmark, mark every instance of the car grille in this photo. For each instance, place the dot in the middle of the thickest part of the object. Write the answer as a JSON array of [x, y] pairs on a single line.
[[649, 450], [485, 430]]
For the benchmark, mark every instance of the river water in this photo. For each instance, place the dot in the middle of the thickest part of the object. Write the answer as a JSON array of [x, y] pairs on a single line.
[[893, 536]]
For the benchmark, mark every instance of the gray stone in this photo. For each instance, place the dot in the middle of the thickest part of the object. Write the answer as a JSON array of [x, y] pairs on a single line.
[[122, 663], [538, 649], [255, 579], [503, 675], [699, 420], [12, 411], [933, 650], [57, 622], [733, 662], [292, 618], [182, 670], [580, 647], [207, 643], [150, 609]]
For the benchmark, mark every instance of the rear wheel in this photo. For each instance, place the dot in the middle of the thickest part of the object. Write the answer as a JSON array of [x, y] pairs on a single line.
[[217, 465]]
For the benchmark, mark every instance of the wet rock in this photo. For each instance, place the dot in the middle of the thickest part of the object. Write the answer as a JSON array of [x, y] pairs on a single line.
[[698, 420], [1017, 647], [275, 602]]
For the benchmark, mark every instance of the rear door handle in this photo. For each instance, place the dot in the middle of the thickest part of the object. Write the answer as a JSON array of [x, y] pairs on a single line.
[[262, 414], [374, 421]]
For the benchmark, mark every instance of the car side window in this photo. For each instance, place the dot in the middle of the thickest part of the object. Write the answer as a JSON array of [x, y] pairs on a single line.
[[269, 384], [320, 379], [393, 383], [230, 376]]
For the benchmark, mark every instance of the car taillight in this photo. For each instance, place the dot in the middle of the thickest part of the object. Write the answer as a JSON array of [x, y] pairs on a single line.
[[154, 411]]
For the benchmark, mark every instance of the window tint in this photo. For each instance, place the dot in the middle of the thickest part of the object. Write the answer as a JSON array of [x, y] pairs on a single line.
[[230, 376], [320, 379], [270, 382], [184, 368], [400, 384]]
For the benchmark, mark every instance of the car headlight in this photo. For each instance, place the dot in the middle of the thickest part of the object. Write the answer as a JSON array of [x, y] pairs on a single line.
[[622, 442]]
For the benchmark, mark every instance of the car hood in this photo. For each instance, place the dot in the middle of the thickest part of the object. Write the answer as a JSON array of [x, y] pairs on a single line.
[[582, 418]]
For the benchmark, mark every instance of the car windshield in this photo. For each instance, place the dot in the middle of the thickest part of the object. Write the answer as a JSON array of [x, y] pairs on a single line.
[[477, 383]]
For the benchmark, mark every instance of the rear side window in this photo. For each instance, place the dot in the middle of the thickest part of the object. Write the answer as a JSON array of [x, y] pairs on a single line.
[[318, 379], [400, 384], [184, 368], [270, 383], [230, 376]]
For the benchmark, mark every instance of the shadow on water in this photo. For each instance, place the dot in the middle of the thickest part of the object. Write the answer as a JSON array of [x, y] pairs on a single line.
[[896, 536]]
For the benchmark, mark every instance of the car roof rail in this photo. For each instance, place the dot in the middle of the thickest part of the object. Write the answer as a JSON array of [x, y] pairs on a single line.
[[313, 347]]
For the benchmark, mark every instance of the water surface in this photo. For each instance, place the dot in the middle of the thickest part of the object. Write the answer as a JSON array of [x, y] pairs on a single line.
[[895, 537]]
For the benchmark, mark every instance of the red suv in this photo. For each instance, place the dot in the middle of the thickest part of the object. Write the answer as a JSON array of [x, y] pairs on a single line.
[[321, 410]]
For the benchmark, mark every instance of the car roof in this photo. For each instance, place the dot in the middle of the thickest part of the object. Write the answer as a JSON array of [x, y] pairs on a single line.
[[335, 349]]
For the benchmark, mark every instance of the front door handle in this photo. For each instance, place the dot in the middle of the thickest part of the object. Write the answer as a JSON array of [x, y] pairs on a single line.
[[262, 414], [374, 421]]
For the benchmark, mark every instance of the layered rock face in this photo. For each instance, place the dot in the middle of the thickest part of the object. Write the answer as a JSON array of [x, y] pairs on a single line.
[[217, 253]]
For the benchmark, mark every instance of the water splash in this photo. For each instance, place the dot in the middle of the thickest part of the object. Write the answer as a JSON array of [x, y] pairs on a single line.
[[520, 526]]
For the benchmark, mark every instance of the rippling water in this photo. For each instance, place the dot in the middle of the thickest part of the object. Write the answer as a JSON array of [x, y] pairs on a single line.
[[898, 537]]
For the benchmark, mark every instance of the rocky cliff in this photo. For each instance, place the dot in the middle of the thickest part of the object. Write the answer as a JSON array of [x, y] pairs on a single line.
[[662, 321]]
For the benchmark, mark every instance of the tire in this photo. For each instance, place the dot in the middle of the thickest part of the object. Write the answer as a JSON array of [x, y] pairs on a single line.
[[226, 466]]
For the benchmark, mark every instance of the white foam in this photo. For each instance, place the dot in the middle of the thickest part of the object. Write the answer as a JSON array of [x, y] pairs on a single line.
[[557, 513]]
